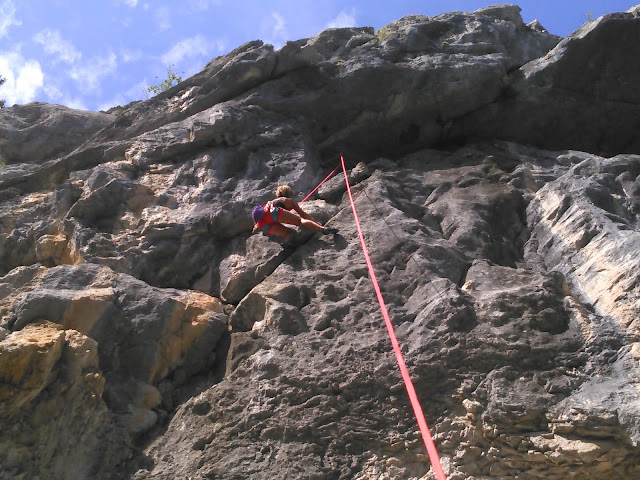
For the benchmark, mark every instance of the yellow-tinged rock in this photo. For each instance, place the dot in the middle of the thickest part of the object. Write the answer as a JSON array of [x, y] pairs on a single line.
[[53, 248], [86, 308], [80, 354], [27, 361], [189, 324]]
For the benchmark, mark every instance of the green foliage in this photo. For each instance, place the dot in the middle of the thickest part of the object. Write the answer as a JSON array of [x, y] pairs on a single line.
[[2, 102], [590, 16], [171, 80], [381, 33]]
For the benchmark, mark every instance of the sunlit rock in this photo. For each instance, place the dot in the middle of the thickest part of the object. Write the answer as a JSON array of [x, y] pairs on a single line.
[[147, 333]]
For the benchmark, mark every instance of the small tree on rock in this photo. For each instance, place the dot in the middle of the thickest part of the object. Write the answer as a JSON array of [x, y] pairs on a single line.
[[2, 80], [171, 80]]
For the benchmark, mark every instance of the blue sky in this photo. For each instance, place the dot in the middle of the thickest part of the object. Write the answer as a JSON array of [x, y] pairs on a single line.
[[95, 54]]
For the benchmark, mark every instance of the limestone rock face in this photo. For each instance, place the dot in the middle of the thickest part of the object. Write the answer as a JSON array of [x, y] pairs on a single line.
[[37, 132], [580, 95], [597, 198], [146, 333], [55, 423], [105, 348]]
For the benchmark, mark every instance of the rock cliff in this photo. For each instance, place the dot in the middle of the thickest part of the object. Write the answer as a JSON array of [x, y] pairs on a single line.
[[146, 333]]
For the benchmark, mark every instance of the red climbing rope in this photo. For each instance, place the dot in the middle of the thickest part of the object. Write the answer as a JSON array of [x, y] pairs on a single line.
[[417, 408], [326, 178]]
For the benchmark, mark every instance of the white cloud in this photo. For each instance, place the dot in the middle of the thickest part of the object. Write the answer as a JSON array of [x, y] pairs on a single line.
[[275, 30], [54, 44], [130, 55], [89, 75], [7, 17], [189, 47], [24, 78], [125, 21], [162, 18], [73, 102], [76, 103], [55, 95], [30, 79], [203, 5], [220, 46], [136, 92], [279, 27], [343, 19], [131, 3]]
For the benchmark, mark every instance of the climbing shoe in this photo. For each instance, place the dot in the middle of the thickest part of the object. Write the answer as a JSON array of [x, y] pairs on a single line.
[[329, 230]]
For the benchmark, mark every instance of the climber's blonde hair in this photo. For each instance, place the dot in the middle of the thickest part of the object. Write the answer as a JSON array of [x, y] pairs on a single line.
[[284, 191]]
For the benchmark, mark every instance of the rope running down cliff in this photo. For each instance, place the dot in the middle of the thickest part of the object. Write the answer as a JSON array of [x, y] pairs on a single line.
[[415, 403]]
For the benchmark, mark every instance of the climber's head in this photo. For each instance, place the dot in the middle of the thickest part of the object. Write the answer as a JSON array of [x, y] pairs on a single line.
[[284, 191]]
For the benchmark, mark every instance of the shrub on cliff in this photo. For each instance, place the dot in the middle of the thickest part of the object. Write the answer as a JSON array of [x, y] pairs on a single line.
[[2, 80], [171, 80]]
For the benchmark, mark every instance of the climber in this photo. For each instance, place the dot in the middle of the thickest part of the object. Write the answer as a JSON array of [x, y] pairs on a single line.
[[271, 216]]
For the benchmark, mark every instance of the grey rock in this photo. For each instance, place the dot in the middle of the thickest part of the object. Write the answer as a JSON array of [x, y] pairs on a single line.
[[593, 216], [509, 269], [36, 132], [145, 336], [586, 84]]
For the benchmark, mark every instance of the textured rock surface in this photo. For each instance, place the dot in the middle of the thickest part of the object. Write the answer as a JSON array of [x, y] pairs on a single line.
[[140, 318], [554, 99], [55, 423], [38, 131]]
